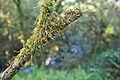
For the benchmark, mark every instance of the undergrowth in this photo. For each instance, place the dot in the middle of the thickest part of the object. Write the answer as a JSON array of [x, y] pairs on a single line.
[[52, 74], [102, 69]]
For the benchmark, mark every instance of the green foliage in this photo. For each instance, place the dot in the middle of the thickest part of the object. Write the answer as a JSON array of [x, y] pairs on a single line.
[[99, 69], [52, 74], [109, 58], [108, 62]]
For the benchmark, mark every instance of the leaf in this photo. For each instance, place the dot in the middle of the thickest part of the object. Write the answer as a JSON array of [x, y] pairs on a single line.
[[109, 29]]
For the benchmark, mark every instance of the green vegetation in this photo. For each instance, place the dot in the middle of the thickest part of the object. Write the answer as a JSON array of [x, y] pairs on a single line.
[[99, 69], [52, 74]]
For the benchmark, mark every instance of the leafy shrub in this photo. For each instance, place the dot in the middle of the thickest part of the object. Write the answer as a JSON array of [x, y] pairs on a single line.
[[107, 61], [53, 74]]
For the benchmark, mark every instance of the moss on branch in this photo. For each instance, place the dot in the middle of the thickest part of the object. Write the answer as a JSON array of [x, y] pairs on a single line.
[[27, 50], [43, 32]]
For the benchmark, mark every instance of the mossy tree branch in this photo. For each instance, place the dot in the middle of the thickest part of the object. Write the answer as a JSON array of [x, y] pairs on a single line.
[[43, 32], [53, 28], [27, 50]]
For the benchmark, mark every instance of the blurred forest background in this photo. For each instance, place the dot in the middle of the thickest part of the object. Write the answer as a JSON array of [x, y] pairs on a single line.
[[89, 49]]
